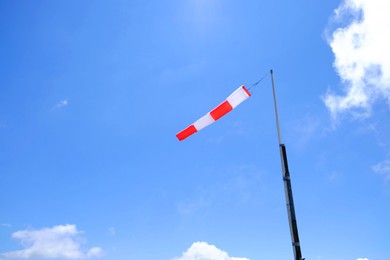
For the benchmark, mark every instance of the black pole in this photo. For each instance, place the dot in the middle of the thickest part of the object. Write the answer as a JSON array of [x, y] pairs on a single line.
[[287, 185], [290, 204]]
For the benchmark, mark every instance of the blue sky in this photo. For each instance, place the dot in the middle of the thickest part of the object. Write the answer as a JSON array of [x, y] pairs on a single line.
[[92, 94]]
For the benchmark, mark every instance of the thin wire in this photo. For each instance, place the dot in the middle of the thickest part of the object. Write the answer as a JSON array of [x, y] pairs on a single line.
[[254, 85]]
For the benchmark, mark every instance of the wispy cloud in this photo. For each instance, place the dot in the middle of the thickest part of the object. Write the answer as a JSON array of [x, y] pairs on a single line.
[[241, 188], [186, 208], [204, 251], [384, 169], [362, 56], [362, 259], [63, 241], [112, 231], [61, 104], [307, 129]]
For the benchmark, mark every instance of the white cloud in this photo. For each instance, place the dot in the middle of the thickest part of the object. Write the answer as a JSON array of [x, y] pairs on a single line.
[[94, 252], [362, 56], [362, 259], [63, 241], [204, 251], [384, 169], [61, 104]]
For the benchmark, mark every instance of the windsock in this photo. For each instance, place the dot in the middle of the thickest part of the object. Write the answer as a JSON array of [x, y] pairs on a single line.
[[236, 98]]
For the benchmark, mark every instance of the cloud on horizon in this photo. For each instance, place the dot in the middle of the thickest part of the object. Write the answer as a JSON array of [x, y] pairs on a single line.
[[362, 57], [204, 251], [62, 241]]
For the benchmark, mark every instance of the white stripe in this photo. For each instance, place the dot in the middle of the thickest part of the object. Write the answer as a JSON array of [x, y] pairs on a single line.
[[204, 121], [237, 97]]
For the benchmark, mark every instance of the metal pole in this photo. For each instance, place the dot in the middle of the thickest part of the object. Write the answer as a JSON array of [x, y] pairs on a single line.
[[287, 185], [276, 108]]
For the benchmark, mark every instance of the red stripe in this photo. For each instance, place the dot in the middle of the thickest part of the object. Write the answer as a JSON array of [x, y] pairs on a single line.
[[186, 132], [246, 91], [221, 110]]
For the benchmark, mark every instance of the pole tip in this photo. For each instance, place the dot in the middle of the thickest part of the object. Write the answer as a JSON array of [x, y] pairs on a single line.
[[271, 71]]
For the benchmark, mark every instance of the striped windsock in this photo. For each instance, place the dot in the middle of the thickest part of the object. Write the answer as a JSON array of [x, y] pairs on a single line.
[[231, 102]]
